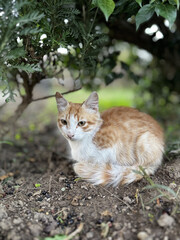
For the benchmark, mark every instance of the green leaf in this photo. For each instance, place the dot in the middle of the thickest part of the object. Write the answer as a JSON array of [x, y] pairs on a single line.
[[112, 76], [125, 66], [6, 142], [8, 92], [77, 179], [177, 3], [107, 7], [174, 2], [155, 198], [37, 185], [144, 14], [167, 11], [28, 31], [30, 68], [56, 237], [139, 2], [138, 172], [95, 3], [15, 53], [18, 136], [31, 17]]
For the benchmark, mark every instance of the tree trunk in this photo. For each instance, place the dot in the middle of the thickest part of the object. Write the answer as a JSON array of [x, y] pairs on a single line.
[[9, 125]]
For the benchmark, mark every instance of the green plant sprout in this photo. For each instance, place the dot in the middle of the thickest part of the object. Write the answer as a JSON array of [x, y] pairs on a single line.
[[163, 191], [6, 142]]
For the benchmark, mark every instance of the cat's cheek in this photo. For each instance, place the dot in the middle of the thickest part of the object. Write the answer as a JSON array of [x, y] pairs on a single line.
[[63, 131], [79, 134]]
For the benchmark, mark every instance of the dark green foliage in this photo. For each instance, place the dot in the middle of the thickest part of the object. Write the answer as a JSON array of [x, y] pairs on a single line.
[[146, 12], [26, 21], [76, 25], [166, 10], [17, 18], [106, 6]]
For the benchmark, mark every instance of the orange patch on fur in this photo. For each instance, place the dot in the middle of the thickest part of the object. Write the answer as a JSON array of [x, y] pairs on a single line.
[[106, 174], [125, 179]]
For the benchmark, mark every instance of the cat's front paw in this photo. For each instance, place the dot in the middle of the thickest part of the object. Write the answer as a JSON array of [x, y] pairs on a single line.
[[92, 172], [81, 170]]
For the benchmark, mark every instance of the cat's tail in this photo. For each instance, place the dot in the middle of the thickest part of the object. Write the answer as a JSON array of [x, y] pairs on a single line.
[[110, 174]]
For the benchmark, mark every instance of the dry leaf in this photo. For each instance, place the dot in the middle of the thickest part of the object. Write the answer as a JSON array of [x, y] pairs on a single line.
[[104, 229], [106, 213], [10, 174]]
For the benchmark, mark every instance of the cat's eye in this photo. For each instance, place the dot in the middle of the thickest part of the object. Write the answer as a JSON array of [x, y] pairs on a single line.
[[64, 122], [81, 123]]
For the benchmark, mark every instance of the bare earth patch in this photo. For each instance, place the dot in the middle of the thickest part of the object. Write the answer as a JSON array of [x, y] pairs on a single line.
[[40, 196]]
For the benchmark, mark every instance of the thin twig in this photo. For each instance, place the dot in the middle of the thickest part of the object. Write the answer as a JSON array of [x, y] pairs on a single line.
[[91, 27], [73, 234], [84, 12], [119, 199], [142, 203], [42, 98]]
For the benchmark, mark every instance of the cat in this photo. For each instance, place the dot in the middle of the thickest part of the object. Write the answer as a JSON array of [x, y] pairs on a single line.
[[107, 147]]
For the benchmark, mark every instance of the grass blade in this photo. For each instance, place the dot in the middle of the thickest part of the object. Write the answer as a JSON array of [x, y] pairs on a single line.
[[152, 200], [157, 186]]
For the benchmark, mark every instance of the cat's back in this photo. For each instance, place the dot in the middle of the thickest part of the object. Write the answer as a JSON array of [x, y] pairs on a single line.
[[121, 113], [130, 119]]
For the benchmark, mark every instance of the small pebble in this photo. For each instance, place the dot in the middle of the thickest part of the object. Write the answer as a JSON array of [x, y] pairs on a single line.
[[17, 221], [70, 221], [21, 203], [35, 229], [124, 210], [90, 235], [75, 201], [3, 213], [165, 220], [127, 199], [48, 195], [40, 199], [43, 192], [143, 236], [84, 187], [5, 224], [173, 185]]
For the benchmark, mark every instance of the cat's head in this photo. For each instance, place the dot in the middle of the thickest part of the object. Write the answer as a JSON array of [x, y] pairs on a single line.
[[75, 120]]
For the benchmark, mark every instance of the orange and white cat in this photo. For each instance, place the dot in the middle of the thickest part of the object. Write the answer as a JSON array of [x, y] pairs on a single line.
[[108, 147]]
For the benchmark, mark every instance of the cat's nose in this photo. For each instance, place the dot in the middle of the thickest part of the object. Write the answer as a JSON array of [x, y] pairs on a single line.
[[70, 135]]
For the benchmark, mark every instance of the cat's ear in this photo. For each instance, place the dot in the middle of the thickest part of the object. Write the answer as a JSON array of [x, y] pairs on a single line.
[[62, 103], [92, 103]]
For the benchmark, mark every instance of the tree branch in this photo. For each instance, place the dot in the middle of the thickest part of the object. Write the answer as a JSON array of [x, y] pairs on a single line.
[[46, 97], [124, 31]]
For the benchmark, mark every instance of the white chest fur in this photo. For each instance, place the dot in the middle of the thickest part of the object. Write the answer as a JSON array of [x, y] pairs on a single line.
[[86, 150]]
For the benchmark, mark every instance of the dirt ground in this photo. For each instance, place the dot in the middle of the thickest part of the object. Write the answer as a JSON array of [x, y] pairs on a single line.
[[40, 196]]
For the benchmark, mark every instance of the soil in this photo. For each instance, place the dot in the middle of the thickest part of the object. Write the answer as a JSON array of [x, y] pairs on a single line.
[[40, 196]]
